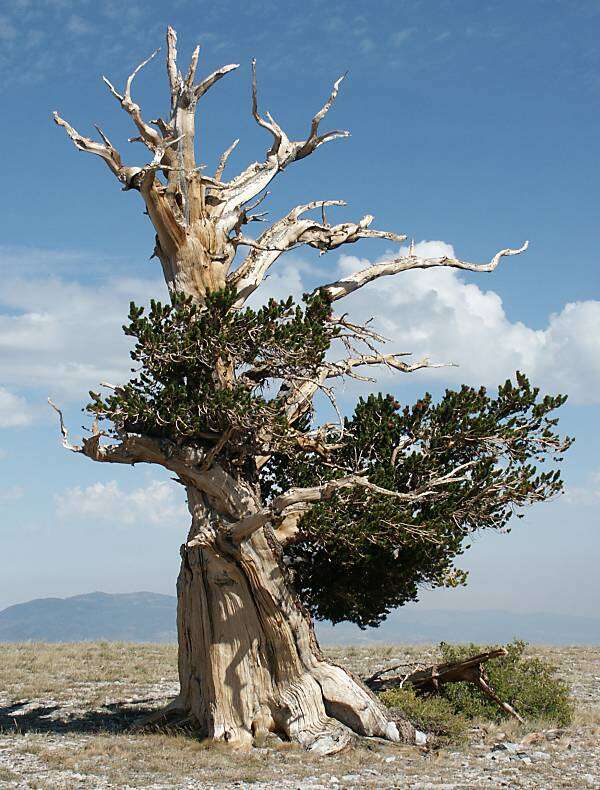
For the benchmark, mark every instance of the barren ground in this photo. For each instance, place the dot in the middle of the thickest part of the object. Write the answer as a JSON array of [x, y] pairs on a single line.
[[65, 710]]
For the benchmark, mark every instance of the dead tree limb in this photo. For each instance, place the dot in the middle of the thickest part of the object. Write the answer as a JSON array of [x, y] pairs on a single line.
[[428, 681]]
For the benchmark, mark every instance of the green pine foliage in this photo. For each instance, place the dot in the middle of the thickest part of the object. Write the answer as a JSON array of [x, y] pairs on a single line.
[[361, 554], [211, 377], [204, 371], [530, 685]]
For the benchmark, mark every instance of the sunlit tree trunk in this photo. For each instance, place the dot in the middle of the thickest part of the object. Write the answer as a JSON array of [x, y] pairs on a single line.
[[249, 662]]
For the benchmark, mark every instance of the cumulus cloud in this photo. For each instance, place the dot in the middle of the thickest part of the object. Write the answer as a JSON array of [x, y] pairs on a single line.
[[63, 337], [160, 503], [436, 313], [14, 411], [283, 281], [588, 494]]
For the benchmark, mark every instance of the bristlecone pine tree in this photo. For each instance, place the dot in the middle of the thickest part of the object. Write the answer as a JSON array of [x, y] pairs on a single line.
[[344, 521]]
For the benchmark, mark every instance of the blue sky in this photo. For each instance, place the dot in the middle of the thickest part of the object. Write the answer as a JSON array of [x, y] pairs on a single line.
[[474, 126]]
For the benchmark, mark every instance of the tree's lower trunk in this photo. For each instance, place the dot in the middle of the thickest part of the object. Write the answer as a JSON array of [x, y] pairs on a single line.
[[249, 663]]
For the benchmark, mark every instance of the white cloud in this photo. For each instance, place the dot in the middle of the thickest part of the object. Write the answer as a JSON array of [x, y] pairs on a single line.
[[3, 454], [436, 313], [11, 494], [283, 281], [584, 495], [160, 503], [14, 411], [63, 337]]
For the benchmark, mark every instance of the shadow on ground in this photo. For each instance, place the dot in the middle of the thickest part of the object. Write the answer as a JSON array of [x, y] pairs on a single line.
[[24, 716]]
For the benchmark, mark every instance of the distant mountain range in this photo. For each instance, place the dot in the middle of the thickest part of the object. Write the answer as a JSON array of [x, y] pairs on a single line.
[[128, 617], [150, 617]]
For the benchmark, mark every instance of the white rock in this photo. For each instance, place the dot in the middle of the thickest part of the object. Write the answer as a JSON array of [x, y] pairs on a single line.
[[506, 746]]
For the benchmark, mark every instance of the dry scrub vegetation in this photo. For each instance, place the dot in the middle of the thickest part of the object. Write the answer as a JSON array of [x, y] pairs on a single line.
[[65, 712]]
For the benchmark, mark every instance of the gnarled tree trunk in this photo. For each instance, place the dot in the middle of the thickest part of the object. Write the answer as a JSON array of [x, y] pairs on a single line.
[[249, 662]]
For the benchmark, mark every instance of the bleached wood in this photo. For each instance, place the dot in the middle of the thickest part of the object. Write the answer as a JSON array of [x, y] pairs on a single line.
[[147, 134], [345, 286], [248, 659], [257, 176], [104, 150], [224, 157], [345, 367], [292, 231]]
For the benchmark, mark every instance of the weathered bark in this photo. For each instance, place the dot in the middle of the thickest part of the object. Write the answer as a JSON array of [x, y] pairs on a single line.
[[249, 663]]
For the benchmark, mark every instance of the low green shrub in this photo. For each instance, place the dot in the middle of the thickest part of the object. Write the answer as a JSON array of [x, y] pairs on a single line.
[[432, 715], [530, 685]]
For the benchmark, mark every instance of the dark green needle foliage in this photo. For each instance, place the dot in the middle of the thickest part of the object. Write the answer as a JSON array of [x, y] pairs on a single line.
[[210, 377], [362, 553], [204, 371]]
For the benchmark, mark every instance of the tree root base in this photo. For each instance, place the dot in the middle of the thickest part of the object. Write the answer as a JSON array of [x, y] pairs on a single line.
[[333, 738]]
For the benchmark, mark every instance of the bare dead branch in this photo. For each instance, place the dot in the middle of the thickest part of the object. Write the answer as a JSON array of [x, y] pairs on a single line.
[[327, 490], [347, 285], [104, 150], [429, 680], [345, 367], [191, 73], [148, 135], [209, 81], [296, 501], [223, 160], [290, 231], [279, 136], [283, 151], [63, 430], [172, 72], [314, 140]]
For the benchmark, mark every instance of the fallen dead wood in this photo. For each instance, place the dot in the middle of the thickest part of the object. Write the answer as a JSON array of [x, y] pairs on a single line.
[[429, 680]]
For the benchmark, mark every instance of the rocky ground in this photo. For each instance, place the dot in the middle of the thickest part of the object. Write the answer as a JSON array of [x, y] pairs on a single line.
[[65, 712]]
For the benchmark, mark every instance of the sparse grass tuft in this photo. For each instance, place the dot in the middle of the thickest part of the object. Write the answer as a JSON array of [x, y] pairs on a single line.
[[7, 776]]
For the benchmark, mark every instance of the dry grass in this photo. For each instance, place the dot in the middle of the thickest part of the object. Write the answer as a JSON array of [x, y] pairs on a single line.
[[65, 710], [143, 758], [36, 669]]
